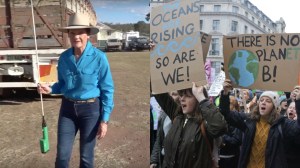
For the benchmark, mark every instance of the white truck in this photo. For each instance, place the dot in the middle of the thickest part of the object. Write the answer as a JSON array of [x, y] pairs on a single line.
[[113, 44], [20, 65], [128, 36]]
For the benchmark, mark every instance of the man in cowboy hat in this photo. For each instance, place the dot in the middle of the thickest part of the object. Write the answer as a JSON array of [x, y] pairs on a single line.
[[85, 81]]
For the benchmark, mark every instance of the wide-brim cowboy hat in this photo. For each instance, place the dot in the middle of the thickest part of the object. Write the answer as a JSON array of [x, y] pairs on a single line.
[[79, 21]]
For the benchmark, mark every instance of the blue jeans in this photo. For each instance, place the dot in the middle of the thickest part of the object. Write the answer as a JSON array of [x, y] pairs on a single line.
[[84, 117]]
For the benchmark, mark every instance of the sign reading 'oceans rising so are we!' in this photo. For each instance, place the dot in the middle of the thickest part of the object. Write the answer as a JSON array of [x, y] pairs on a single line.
[[263, 61], [177, 59]]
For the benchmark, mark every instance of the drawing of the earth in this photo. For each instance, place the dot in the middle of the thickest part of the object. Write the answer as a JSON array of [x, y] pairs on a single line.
[[243, 68]]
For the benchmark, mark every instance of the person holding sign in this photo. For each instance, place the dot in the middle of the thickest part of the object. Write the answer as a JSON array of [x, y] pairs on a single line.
[[196, 121], [266, 132]]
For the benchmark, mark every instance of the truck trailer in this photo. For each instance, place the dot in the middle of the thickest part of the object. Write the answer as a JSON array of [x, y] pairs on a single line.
[[20, 65]]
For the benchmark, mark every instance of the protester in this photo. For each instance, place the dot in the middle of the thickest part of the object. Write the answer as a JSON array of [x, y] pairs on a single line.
[[265, 131], [155, 112], [164, 125], [292, 146], [231, 141], [234, 104], [85, 81], [283, 105], [291, 111], [157, 154], [185, 144]]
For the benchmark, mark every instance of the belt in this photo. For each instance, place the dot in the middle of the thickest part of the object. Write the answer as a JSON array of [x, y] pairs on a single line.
[[91, 100]]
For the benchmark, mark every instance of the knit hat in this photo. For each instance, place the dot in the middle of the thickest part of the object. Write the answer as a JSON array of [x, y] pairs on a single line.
[[282, 98], [273, 96]]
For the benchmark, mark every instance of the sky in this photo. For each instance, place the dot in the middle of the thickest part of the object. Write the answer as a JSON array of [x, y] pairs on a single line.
[[288, 9], [132, 11], [121, 11]]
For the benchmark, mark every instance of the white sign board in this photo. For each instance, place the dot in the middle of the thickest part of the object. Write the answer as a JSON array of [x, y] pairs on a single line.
[[217, 85]]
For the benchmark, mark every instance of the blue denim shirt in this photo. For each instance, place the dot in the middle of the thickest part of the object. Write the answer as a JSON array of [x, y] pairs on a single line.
[[87, 78]]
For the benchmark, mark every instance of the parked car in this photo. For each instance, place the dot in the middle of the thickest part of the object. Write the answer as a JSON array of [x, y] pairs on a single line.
[[113, 44], [140, 43]]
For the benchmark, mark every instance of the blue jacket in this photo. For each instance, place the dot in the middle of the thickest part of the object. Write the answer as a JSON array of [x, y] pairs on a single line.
[[87, 78], [280, 133]]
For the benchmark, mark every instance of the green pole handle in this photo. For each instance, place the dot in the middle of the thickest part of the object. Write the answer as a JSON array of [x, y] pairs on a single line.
[[44, 142]]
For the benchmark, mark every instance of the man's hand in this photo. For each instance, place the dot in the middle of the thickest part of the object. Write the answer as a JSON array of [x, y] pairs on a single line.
[[102, 130], [227, 86], [44, 89]]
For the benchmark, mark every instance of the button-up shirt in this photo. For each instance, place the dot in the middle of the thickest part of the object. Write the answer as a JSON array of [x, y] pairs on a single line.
[[89, 77]]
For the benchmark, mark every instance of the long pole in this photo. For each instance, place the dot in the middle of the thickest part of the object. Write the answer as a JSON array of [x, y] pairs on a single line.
[[44, 142], [37, 56]]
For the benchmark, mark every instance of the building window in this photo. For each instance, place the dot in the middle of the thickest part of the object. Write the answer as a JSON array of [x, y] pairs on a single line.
[[215, 46], [269, 30], [264, 27], [217, 66], [234, 26], [216, 24], [252, 31], [201, 8], [201, 24], [258, 23], [246, 14], [253, 19], [217, 8], [235, 9], [246, 30]]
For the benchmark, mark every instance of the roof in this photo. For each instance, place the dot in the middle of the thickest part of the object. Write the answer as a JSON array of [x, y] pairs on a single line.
[[104, 26]]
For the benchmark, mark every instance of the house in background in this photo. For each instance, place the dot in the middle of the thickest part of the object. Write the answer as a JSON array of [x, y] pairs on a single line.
[[105, 33]]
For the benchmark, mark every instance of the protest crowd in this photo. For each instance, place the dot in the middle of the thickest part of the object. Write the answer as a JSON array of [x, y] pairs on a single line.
[[246, 117], [238, 128]]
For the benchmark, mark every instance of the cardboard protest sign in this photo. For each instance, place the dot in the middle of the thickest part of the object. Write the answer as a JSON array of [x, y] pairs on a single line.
[[174, 19], [217, 84], [176, 64], [263, 61], [177, 58], [205, 42]]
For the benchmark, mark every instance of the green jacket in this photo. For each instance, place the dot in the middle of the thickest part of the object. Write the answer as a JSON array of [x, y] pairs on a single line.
[[186, 147]]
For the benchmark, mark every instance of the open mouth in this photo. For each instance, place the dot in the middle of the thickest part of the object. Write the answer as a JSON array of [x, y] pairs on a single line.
[[290, 114], [263, 108]]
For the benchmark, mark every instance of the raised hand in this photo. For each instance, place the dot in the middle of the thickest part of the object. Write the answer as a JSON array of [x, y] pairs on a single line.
[[227, 86], [297, 93], [198, 92]]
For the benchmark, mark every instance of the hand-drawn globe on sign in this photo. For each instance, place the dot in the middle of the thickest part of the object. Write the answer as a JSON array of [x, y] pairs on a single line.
[[243, 68]]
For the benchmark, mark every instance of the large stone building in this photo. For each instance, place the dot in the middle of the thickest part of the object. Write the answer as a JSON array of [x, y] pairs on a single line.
[[230, 17]]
